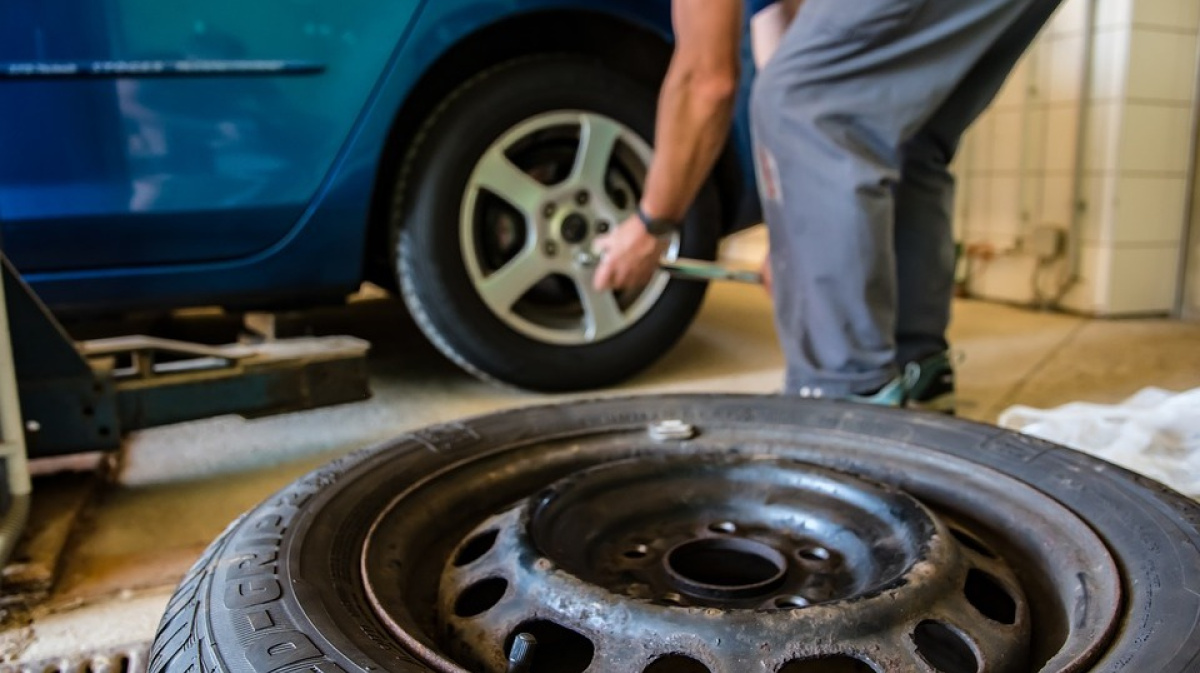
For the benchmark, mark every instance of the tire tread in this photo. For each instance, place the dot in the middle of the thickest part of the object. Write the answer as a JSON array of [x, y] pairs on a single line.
[[181, 644], [402, 246]]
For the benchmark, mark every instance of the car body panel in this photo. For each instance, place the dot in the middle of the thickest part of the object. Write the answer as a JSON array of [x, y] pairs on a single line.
[[130, 184], [194, 166]]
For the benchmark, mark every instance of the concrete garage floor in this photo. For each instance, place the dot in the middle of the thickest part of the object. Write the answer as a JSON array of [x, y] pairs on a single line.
[[175, 488]]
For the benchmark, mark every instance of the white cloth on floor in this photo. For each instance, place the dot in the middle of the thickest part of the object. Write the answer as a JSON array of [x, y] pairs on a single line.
[[1156, 433]]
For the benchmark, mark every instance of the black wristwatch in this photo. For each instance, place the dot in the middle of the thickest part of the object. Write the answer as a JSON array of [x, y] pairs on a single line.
[[657, 226]]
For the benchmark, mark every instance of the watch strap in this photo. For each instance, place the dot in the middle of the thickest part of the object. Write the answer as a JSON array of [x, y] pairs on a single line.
[[657, 226]]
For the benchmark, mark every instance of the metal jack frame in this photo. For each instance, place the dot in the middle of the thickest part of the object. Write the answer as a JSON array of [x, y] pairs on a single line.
[[14, 471], [82, 397]]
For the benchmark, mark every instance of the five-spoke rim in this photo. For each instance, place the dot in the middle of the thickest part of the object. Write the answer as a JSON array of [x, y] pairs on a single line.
[[546, 210]]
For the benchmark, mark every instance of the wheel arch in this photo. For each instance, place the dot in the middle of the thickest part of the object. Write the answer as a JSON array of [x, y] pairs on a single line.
[[641, 52]]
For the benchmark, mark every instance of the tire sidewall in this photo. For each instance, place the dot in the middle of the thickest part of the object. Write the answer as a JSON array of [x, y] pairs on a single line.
[[286, 580]]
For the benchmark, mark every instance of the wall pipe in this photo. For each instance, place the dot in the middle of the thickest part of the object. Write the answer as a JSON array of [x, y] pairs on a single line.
[[1079, 204], [1187, 300]]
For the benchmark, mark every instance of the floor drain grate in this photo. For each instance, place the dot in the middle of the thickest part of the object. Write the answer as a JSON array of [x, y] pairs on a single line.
[[125, 659]]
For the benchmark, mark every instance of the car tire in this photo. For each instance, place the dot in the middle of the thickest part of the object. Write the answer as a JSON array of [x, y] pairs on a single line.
[[550, 338], [284, 587]]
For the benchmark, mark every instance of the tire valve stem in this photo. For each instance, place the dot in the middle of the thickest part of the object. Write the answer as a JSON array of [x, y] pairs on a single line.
[[520, 656]]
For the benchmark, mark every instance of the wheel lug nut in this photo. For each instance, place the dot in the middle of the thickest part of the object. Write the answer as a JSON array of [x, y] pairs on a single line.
[[549, 209], [582, 198], [602, 227], [551, 248]]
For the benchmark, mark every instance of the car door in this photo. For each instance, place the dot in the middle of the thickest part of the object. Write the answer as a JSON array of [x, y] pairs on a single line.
[[146, 133]]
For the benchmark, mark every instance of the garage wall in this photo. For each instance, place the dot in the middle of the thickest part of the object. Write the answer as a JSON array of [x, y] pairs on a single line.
[[1025, 185]]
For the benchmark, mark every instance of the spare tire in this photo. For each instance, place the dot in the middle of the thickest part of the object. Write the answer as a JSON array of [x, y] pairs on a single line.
[[701, 533]]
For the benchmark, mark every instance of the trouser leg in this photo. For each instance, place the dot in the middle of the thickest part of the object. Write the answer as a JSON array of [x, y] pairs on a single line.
[[924, 237], [924, 250], [850, 85]]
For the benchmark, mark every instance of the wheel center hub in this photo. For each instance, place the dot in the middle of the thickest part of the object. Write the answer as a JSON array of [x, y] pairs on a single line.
[[574, 228], [728, 534], [725, 568]]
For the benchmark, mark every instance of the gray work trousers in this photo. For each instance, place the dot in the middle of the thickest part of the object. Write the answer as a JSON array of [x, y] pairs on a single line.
[[856, 119]]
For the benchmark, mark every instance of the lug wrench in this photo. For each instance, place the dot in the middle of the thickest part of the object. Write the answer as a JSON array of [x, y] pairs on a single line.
[[691, 269], [698, 269]]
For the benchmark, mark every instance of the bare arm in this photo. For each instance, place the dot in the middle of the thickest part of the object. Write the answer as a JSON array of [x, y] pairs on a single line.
[[695, 110], [695, 107]]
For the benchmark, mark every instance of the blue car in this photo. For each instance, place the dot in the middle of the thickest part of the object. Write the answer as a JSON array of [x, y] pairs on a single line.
[[277, 153]]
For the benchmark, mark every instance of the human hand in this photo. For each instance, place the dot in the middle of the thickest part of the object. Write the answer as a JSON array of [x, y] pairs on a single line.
[[629, 256]]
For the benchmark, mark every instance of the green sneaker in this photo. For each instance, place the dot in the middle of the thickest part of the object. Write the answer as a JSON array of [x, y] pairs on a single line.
[[894, 394], [931, 384]]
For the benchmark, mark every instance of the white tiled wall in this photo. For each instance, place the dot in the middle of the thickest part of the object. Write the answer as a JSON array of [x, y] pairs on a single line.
[[1016, 170]]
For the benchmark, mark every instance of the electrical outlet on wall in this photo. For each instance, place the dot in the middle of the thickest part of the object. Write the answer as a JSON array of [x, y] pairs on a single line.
[[1048, 242]]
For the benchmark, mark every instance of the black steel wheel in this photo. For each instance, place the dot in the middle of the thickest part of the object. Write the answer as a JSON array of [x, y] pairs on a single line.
[[512, 180], [701, 533]]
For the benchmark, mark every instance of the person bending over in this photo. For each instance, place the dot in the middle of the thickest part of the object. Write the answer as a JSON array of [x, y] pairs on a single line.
[[856, 116]]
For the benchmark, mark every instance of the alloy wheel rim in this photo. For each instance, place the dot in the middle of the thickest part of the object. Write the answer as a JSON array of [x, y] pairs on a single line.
[[544, 216]]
